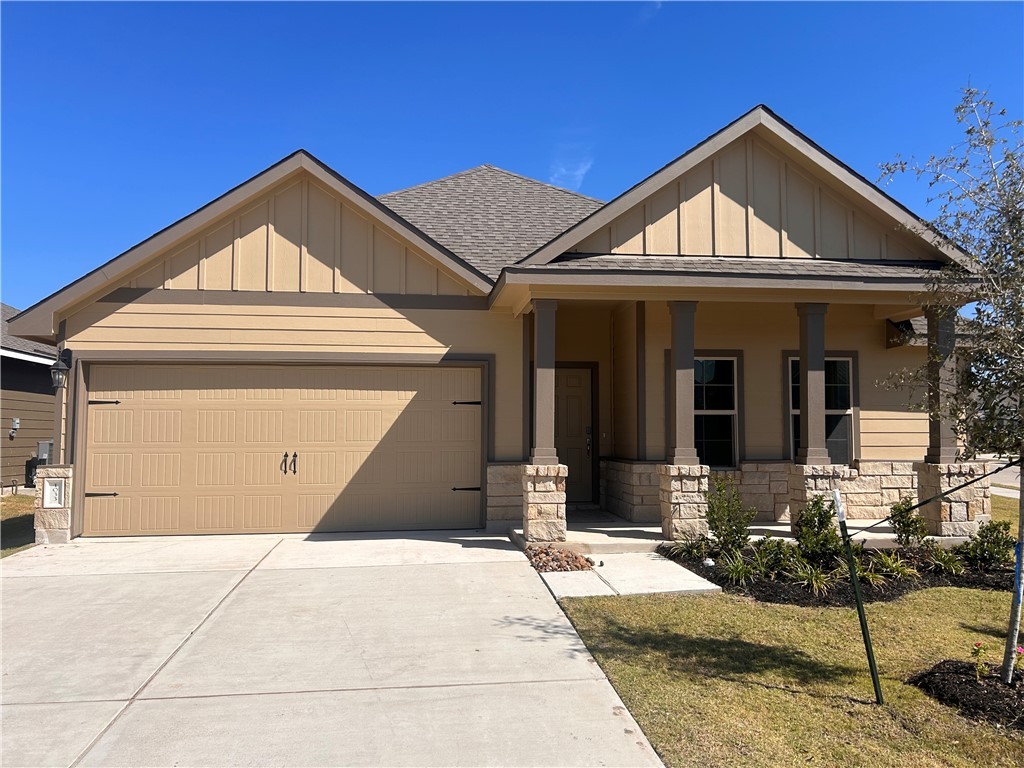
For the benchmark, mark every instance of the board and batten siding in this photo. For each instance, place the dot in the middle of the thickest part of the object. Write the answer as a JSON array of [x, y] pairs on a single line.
[[299, 272], [298, 238], [750, 200]]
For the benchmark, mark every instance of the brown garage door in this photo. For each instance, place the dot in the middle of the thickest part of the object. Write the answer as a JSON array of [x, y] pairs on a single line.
[[256, 449]]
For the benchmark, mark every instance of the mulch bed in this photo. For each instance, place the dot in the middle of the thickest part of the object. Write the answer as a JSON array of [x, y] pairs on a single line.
[[548, 559], [840, 595], [955, 684]]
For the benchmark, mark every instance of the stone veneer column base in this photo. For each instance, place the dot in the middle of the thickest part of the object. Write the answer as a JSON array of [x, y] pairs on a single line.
[[809, 480], [53, 525], [684, 507], [544, 502], [962, 512]]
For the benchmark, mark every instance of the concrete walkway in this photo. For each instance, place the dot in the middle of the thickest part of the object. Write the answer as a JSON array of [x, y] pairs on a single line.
[[634, 573], [294, 650]]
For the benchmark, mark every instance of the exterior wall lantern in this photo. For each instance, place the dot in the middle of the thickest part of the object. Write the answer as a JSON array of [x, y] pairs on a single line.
[[59, 373]]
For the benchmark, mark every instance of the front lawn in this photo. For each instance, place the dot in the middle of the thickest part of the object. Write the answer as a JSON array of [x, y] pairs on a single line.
[[1005, 508], [16, 523], [723, 680]]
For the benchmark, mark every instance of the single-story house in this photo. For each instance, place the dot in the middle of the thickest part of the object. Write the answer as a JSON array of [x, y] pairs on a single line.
[[26, 403], [484, 349]]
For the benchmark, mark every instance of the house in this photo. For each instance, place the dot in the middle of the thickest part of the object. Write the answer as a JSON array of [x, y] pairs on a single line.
[[485, 349], [26, 403]]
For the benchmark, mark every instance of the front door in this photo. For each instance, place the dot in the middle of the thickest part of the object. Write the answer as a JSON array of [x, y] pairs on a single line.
[[574, 431]]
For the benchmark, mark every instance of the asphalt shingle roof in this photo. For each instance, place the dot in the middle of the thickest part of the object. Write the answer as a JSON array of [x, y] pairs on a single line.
[[750, 267], [21, 345], [488, 216]]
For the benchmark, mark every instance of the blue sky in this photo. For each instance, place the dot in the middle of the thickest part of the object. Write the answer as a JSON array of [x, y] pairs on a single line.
[[118, 119]]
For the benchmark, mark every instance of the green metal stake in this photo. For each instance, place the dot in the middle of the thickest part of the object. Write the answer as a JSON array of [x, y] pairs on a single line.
[[852, 564]]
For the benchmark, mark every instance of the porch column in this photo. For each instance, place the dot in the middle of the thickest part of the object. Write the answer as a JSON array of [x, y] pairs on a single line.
[[812, 449], [942, 444], [684, 450], [683, 481], [543, 477], [543, 450]]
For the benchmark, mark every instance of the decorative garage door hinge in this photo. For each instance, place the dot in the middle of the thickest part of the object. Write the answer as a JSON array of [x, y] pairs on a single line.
[[93, 495], [466, 402], [104, 402], [475, 488]]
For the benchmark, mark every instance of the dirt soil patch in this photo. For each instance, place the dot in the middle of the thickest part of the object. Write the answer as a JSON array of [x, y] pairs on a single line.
[[956, 684], [548, 559]]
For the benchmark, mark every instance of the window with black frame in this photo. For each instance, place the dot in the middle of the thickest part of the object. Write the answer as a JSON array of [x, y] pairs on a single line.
[[838, 408], [714, 405]]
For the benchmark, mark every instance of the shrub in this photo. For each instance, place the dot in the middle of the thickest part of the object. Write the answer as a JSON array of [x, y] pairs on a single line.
[[938, 560], [891, 565], [816, 536], [771, 557], [736, 568], [811, 576], [693, 547], [909, 527], [990, 547], [727, 518], [865, 573]]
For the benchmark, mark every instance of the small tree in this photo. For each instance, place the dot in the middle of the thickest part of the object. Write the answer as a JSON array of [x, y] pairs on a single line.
[[978, 186]]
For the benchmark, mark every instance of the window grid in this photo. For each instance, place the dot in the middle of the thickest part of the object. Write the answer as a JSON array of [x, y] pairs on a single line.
[[709, 388]]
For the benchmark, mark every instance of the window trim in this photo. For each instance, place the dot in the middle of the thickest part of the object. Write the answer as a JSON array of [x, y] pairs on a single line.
[[853, 411], [738, 431]]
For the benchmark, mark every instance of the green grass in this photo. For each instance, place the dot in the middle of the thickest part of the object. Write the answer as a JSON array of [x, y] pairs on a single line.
[[16, 526], [1004, 508], [722, 680]]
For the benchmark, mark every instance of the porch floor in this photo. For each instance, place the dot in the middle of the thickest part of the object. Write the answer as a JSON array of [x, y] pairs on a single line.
[[597, 532]]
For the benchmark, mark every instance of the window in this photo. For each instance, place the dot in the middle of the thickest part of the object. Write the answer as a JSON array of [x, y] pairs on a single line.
[[838, 407], [714, 405]]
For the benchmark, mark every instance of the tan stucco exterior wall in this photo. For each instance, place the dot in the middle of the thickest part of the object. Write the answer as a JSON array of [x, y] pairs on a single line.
[[888, 429]]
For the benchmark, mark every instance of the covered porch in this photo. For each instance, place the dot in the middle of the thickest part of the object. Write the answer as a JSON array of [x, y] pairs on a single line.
[[637, 398]]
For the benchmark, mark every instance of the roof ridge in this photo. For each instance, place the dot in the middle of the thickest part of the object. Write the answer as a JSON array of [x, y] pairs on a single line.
[[465, 172], [489, 166], [544, 184]]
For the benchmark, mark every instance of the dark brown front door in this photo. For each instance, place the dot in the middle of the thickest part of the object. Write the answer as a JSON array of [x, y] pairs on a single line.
[[574, 431]]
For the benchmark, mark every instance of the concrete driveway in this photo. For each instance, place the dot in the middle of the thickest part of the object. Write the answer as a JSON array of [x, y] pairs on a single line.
[[279, 650]]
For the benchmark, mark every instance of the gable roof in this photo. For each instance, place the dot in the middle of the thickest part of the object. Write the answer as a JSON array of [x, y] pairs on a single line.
[[37, 320], [762, 119], [45, 353], [489, 216]]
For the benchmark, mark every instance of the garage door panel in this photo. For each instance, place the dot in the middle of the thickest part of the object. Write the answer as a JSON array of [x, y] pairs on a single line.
[[203, 449], [215, 426], [161, 426], [109, 516], [159, 514], [215, 514], [318, 426]]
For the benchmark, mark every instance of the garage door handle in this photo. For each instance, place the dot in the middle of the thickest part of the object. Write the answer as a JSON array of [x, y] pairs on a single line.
[[475, 488], [295, 458], [284, 463]]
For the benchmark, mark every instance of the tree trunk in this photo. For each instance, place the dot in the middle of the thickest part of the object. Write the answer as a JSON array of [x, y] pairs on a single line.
[[1010, 654]]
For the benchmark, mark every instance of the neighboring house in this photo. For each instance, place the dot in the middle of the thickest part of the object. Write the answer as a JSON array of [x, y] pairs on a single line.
[[26, 399], [300, 356]]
